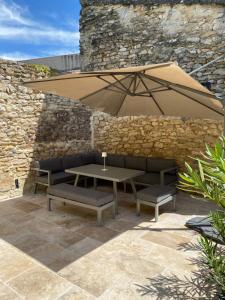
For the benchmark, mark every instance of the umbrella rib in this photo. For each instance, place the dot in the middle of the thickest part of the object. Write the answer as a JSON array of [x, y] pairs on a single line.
[[170, 86], [105, 87], [123, 99], [150, 94], [193, 99], [117, 81]]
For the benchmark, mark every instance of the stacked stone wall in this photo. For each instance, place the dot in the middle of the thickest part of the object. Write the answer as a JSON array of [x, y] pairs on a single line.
[[118, 33], [33, 126], [168, 137]]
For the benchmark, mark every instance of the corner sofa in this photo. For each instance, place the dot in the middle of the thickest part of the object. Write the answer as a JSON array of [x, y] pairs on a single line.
[[157, 170]]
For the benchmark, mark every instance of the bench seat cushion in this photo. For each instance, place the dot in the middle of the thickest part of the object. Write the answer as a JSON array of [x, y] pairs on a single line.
[[57, 178], [72, 161], [159, 164], [154, 178], [79, 194], [156, 193]]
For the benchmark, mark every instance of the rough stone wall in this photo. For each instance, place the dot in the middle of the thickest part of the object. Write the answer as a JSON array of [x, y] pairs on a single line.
[[118, 33], [168, 137], [34, 125]]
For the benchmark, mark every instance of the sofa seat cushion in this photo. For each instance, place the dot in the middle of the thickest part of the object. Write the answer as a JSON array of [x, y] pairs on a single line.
[[135, 162], [156, 193], [79, 194], [116, 160], [57, 178], [159, 164], [72, 161], [154, 178]]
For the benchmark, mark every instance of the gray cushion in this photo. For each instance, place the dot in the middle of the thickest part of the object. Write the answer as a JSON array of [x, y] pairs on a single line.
[[156, 193], [154, 178], [159, 164], [99, 159], [53, 164], [116, 160], [82, 195], [135, 162], [211, 233], [88, 158], [72, 161], [57, 178], [197, 222]]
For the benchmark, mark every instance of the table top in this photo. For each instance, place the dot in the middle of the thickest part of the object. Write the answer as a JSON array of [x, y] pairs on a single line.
[[111, 173]]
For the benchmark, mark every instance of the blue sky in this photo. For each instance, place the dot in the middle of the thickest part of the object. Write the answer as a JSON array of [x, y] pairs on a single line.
[[38, 28]]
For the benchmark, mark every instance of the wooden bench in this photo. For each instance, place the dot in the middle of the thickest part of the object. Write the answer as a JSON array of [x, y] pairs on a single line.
[[79, 196]]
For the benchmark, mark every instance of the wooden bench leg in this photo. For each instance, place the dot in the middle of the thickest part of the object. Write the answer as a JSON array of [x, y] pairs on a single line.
[[138, 206], [156, 213], [49, 204], [99, 217]]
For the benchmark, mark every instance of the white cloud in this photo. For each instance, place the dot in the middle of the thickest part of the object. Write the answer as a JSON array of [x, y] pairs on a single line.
[[15, 56], [16, 25], [13, 13]]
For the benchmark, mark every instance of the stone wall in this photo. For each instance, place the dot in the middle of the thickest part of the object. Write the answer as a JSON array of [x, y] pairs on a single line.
[[168, 137], [34, 125], [117, 33]]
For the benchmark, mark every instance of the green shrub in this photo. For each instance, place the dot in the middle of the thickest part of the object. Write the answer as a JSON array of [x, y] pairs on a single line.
[[208, 181]]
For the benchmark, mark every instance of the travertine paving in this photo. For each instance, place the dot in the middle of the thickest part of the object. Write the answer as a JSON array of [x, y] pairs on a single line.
[[63, 254]]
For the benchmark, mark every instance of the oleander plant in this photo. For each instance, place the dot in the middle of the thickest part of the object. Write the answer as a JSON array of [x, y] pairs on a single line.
[[207, 180]]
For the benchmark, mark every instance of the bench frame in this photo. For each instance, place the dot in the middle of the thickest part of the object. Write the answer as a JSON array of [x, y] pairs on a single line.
[[99, 209], [156, 205]]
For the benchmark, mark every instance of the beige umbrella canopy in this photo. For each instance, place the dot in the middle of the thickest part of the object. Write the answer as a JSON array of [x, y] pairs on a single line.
[[162, 89]]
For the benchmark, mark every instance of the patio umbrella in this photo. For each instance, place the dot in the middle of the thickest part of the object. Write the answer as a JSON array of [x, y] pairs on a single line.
[[161, 89]]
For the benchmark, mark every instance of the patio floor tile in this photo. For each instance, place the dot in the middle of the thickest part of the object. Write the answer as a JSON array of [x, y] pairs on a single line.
[[76, 293], [12, 263], [39, 283], [6, 293]]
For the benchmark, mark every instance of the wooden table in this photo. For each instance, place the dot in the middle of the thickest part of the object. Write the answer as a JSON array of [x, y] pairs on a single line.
[[113, 174]]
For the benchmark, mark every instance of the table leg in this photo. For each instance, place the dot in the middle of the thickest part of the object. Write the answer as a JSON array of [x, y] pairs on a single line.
[[115, 196], [133, 188], [95, 183], [76, 180]]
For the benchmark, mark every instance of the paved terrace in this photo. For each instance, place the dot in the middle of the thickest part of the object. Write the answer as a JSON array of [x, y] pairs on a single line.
[[63, 254]]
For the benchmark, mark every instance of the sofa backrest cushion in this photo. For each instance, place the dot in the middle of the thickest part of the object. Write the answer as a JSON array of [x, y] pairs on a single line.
[[72, 161], [135, 162], [88, 158], [99, 159], [53, 164], [158, 164], [116, 160]]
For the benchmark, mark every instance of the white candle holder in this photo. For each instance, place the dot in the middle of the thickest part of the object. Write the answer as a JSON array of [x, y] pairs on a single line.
[[104, 155]]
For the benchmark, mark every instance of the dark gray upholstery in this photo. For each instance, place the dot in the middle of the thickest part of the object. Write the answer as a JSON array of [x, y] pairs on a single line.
[[54, 164], [115, 160], [135, 162], [154, 178], [56, 178], [211, 233], [82, 195], [99, 159], [156, 193], [197, 222], [159, 164], [72, 161], [88, 158]]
